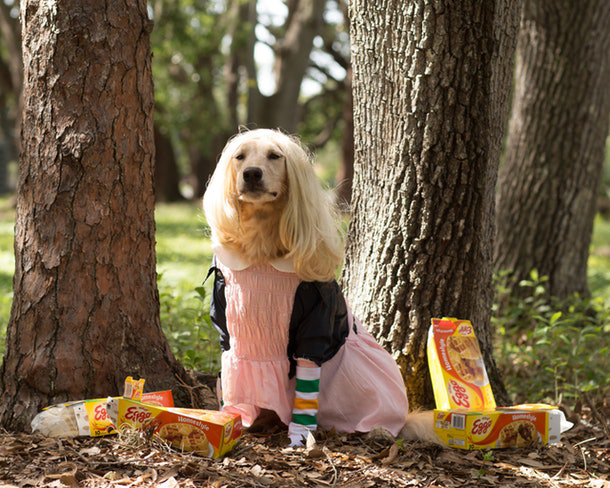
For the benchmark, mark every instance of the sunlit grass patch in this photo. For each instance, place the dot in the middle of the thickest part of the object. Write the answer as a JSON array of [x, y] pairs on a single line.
[[184, 254]]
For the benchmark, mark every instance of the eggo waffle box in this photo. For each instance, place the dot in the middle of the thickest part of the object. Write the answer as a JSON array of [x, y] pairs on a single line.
[[206, 432], [466, 416], [93, 417], [519, 426], [459, 378]]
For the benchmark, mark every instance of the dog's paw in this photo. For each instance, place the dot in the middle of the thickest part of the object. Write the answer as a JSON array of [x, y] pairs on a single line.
[[297, 440], [300, 436], [379, 434]]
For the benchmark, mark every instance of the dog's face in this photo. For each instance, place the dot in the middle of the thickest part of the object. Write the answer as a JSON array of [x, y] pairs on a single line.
[[264, 201], [259, 168]]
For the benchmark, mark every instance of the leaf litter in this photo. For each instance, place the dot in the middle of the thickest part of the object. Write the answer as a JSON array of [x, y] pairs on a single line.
[[332, 460], [137, 459]]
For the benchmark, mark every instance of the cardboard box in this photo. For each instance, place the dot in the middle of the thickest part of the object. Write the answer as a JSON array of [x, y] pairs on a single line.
[[466, 416], [206, 432], [92, 417], [499, 428], [459, 377]]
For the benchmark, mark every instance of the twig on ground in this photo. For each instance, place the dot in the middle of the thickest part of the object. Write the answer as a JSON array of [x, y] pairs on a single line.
[[332, 465], [196, 399]]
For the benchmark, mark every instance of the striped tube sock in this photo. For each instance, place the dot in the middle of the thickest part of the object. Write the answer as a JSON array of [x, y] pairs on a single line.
[[305, 405]]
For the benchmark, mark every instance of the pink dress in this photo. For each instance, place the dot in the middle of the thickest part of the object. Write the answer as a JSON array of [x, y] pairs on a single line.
[[360, 386]]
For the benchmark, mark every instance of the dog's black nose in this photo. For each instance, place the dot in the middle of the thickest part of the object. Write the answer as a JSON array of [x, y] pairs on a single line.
[[253, 175]]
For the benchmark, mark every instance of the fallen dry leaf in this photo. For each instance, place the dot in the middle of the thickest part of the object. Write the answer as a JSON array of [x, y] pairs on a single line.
[[90, 451], [169, 483], [392, 455]]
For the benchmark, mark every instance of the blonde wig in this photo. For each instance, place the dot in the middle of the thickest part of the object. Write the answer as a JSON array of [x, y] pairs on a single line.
[[307, 225]]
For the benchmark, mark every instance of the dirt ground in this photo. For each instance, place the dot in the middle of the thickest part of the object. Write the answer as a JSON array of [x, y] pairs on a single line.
[[582, 458]]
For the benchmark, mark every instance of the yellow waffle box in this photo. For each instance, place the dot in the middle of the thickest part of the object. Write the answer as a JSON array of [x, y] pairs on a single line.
[[79, 418], [459, 378], [93, 417], [206, 432], [466, 416], [519, 426]]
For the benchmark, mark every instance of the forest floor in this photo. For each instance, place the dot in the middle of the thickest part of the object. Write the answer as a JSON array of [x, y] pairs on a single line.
[[582, 458]]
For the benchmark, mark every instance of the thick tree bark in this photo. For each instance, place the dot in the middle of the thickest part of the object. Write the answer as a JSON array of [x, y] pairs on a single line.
[[556, 140], [85, 311], [430, 95]]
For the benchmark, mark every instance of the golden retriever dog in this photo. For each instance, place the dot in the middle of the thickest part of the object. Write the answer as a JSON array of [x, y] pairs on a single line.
[[291, 348]]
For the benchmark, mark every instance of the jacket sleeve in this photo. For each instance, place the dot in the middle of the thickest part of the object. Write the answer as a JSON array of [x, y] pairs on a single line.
[[218, 305], [318, 325]]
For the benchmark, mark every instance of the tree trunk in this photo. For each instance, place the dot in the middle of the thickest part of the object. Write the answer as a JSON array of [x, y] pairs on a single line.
[[8, 143], [203, 163], [11, 80], [345, 174], [292, 52], [241, 22], [85, 312], [3, 166], [430, 94], [167, 176], [7, 146], [556, 140], [9, 26]]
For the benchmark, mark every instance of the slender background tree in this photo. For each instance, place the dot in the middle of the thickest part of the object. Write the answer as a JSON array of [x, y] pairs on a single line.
[[11, 73], [211, 78]]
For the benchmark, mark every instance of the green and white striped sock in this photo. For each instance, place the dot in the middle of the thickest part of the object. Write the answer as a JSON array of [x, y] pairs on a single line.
[[305, 410]]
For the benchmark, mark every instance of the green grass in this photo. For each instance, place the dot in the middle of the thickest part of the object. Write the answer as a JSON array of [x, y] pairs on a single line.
[[183, 249], [184, 254]]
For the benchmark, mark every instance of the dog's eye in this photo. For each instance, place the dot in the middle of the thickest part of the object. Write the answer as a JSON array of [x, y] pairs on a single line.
[[273, 155], [240, 156]]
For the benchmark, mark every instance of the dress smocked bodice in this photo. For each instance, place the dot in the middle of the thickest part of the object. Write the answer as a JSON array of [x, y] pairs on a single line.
[[259, 304]]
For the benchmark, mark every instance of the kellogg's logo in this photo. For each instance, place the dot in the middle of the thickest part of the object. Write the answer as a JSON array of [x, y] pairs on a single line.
[[481, 426], [459, 395], [136, 414], [464, 329]]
